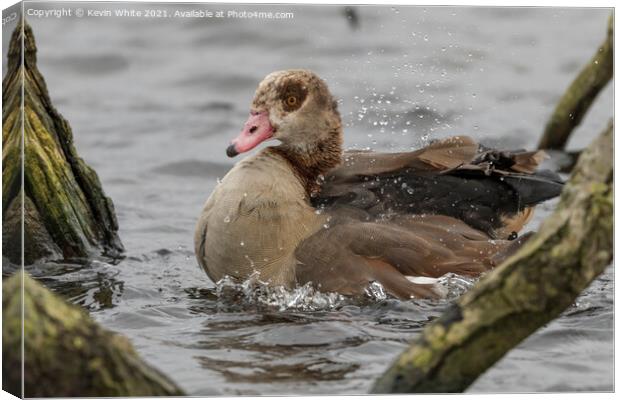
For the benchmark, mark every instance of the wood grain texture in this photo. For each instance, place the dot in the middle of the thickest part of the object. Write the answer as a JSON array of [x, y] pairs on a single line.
[[67, 214]]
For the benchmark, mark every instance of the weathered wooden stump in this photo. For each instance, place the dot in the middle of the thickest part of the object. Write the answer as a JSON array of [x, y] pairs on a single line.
[[66, 353], [572, 247], [66, 213]]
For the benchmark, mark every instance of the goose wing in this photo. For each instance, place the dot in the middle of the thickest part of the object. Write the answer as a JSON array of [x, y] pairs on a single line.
[[488, 189], [353, 252]]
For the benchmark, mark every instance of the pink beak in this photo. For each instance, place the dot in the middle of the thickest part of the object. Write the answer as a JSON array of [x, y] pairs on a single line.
[[257, 129]]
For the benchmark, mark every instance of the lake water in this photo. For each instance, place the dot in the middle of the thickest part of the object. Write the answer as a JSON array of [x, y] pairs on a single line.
[[153, 104]]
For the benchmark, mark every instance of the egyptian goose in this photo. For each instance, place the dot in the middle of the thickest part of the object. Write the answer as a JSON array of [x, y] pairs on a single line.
[[305, 211]]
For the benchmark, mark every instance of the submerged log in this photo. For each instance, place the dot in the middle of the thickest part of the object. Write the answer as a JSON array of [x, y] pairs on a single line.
[[66, 213], [544, 277], [580, 94], [66, 353]]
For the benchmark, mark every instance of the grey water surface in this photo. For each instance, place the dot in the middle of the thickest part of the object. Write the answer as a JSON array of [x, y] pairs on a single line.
[[153, 103]]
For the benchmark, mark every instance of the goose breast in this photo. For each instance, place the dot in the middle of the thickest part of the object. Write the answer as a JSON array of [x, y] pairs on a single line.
[[254, 220]]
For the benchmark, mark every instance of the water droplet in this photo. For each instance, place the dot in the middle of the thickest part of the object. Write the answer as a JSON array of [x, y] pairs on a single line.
[[227, 219], [375, 291]]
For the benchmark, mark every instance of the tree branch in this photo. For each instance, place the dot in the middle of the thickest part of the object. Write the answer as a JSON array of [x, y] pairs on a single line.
[[572, 247], [579, 96], [66, 353]]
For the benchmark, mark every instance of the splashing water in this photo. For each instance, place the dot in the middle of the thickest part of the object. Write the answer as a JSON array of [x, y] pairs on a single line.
[[255, 293], [375, 291], [456, 284]]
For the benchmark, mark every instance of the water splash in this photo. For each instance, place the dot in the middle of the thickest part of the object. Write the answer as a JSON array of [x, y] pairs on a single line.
[[456, 284], [255, 293], [375, 291]]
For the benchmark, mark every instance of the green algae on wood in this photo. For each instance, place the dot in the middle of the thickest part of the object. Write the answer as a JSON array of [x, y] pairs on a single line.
[[67, 214], [573, 246], [66, 353], [577, 99]]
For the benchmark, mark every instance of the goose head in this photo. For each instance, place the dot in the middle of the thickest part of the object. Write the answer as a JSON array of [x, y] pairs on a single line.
[[296, 108]]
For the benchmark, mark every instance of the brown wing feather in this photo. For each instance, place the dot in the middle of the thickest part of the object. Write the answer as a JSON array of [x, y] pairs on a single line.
[[450, 152], [350, 254], [441, 155], [528, 162]]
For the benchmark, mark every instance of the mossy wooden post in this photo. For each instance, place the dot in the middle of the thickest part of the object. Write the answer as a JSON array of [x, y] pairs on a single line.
[[66, 353], [580, 94], [66, 213], [572, 247]]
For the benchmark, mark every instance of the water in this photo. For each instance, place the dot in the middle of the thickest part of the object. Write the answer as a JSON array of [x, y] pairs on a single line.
[[153, 104]]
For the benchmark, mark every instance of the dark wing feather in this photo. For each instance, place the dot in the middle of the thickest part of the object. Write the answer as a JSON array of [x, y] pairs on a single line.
[[453, 177]]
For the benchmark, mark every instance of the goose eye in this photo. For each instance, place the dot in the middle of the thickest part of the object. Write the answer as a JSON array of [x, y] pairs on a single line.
[[291, 101]]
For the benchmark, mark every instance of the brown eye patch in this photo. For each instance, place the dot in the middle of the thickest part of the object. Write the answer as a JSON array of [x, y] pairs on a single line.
[[293, 95]]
